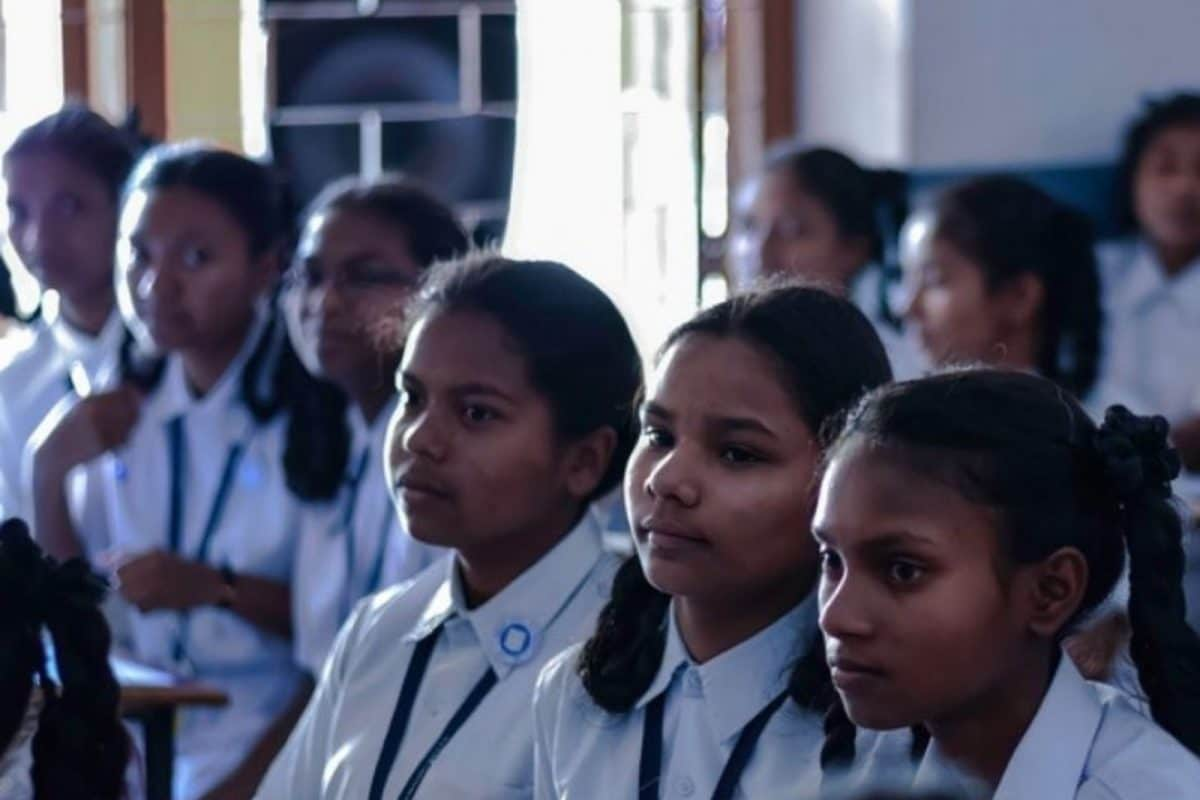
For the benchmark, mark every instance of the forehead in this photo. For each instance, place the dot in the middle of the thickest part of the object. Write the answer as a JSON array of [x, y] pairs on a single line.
[[176, 210], [453, 348], [724, 375], [339, 232], [869, 492], [46, 171], [1184, 136]]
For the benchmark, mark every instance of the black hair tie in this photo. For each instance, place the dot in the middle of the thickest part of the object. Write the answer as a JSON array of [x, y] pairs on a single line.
[[1136, 455]]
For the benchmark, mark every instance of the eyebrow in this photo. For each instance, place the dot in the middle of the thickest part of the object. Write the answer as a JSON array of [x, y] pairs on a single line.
[[721, 423], [885, 541], [484, 389]]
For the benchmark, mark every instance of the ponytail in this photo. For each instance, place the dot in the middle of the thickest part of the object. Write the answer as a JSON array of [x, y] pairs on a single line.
[[80, 749], [619, 662]]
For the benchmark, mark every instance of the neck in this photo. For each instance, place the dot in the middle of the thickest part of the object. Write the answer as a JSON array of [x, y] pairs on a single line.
[[87, 315], [1175, 259], [710, 625], [371, 396], [1019, 352], [489, 568], [204, 368], [981, 739]]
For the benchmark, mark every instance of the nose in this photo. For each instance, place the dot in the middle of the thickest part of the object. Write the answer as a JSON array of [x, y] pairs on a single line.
[[844, 611], [671, 478], [421, 434]]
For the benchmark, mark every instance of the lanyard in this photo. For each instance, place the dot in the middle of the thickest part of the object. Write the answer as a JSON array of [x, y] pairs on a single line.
[[650, 767], [177, 452], [403, 713], [354, 481]]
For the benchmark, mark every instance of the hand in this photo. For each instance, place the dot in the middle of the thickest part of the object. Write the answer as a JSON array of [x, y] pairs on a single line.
[[161, 580], [95, 425], [1185, 435], [1094, 649]]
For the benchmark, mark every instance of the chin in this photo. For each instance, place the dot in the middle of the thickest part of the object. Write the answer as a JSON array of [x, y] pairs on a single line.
[[877, 716], [674, 579]]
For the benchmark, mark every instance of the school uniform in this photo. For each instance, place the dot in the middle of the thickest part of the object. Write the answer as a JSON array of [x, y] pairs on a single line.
[[354, 548], [199, 477], [1087, 742], [728, 721], [39, 377], [1152, 325], [425, 697], [869, 292]]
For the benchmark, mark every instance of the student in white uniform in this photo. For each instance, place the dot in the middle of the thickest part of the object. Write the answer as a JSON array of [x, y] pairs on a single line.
[[63, 176], [705, 675], [517, 387], [196, 513], [1151, 278], [364, 247], [59, 737], [812, 214], [1004, 274], [966, 522]]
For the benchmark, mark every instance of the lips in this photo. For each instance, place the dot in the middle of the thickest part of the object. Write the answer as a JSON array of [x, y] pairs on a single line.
[[420, 485], [848, 674]]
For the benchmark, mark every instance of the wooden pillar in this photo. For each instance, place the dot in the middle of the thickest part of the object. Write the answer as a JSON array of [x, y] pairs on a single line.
[[761, 80], [146, 62], [75, 49]]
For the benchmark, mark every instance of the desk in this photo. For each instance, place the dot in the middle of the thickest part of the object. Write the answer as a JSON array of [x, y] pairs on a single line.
[[151, 697]]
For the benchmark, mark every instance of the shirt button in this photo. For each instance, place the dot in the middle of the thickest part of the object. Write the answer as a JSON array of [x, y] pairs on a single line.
[[687, 787]]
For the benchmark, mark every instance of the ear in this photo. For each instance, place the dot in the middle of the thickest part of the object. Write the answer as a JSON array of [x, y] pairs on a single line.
[[1023, 299], [586, 461], [1056, 586]]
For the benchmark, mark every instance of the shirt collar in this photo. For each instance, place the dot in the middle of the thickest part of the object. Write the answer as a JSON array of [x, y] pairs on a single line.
[[1146, 282], [364, 435], [743, 680], [174, 398], [1049, 760], [512, 626], [77, 346]]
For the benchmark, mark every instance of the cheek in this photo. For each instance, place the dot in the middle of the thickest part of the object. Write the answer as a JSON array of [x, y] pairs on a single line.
[[761, 525], [637, 471]]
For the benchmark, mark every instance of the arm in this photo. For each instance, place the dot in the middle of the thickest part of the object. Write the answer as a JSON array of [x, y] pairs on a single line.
[[243, 781], [161, 580], [94, 426], [296, 773]]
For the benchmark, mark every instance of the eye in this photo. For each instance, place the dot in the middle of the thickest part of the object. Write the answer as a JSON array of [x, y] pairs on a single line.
[[831, 562], [194, 257], [17, 214], [903, 572], [408, 399], [475, 414], [736, 455], [657, 437]]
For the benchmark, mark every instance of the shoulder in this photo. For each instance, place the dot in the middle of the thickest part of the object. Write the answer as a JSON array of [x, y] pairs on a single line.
[[1132, 757], [1115, 259], [382, 619], [557, 676]]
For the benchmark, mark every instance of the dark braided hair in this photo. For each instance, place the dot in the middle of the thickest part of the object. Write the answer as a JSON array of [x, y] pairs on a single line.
[[827, 355], [1009, 228], [318, 436], [1026, 449], [81, 750]]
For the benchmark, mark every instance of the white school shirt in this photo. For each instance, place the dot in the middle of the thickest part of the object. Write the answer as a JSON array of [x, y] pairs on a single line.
[[36, 379], [334, 750], [903, 350], [1086, 742], [256, 535], [583, 751], [359, 526], [1152, 326]]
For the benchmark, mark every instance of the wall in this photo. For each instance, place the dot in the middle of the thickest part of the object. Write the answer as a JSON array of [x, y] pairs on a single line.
[[958, 83]]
